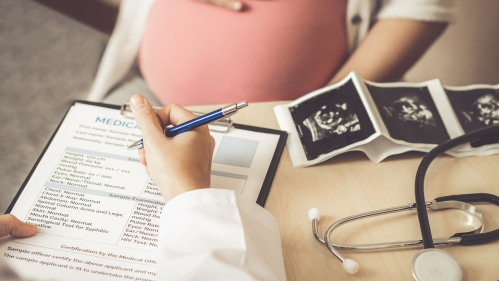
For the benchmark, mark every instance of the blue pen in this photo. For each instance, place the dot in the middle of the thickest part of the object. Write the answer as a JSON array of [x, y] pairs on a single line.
[[197, 122]]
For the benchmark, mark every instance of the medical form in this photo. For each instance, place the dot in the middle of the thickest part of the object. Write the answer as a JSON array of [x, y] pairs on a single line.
[[96, 209]]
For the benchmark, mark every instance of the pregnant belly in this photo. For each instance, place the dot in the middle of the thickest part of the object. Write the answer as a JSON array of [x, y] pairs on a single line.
[[193, 53]]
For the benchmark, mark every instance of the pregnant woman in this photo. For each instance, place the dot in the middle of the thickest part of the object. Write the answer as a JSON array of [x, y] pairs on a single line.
[[189, 52]]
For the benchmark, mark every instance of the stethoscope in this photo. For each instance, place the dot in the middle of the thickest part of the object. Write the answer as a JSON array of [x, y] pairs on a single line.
[[430, 263]]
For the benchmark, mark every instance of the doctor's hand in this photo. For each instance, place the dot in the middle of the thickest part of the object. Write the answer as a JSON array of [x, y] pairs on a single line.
[[10, 225], [178, 164]]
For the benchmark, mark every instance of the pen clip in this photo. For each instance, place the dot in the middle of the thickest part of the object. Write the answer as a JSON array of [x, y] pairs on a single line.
[[222, 125]]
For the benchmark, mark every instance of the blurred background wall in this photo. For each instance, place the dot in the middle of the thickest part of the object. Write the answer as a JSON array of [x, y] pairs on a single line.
[[468, 51], [46, 60], [50, 50]]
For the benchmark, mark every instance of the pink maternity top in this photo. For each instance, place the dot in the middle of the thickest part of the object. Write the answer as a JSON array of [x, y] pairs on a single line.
[[194, 53]]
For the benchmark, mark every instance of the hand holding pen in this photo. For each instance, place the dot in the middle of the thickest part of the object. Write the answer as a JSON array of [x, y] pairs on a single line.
[[177, 164], [197, 122]]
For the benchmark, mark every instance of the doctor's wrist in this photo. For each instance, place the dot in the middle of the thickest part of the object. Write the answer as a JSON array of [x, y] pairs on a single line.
[[180, 186]]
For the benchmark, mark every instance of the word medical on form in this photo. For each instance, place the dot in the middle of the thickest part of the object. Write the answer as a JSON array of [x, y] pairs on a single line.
[[97, 211]]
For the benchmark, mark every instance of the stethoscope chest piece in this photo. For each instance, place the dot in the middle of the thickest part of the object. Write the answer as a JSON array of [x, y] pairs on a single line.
[[435, 265]]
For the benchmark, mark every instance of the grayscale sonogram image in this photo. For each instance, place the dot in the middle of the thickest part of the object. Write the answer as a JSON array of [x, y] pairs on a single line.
[[476, 109], [332, 120], [329, 120], [409, 114]]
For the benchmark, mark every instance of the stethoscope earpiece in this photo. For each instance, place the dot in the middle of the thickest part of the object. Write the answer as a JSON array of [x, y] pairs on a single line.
[[435, 265], [314, 214], [350, 266]]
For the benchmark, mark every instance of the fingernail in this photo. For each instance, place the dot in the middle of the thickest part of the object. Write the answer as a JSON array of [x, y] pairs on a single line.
[[237, 6], [136, 101]]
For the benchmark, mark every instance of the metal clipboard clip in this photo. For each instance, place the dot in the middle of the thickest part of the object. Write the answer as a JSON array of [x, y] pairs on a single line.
[[222, 125]]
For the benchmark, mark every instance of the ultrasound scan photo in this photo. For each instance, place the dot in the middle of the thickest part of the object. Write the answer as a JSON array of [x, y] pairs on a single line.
[[332, 120], [485, 109], [476, 109], [410, 109], [409, 114], [329, 120]]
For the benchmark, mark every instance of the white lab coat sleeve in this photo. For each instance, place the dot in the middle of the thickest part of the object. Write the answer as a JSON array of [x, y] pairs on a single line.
[[215, 234]]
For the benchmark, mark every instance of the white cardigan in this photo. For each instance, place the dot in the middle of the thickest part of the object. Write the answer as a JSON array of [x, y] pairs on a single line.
[[124, 43]]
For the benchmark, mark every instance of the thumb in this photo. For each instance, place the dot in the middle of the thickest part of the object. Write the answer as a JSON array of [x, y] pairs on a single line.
[[146, 117], [10, 225]]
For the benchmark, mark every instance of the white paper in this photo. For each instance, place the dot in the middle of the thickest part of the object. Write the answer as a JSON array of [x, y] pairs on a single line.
[[382, 144], [96, 209]]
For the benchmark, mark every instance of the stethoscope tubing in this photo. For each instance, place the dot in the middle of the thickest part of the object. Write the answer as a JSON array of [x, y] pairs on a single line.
[[430, 262], [470, 239], [435, 205], [424, 223]]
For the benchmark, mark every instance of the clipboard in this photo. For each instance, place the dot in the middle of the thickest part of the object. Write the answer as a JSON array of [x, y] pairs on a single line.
[[90, 197], [223, 126]]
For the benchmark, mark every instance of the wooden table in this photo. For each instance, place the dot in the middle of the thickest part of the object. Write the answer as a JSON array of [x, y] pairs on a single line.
[[349, 184]]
